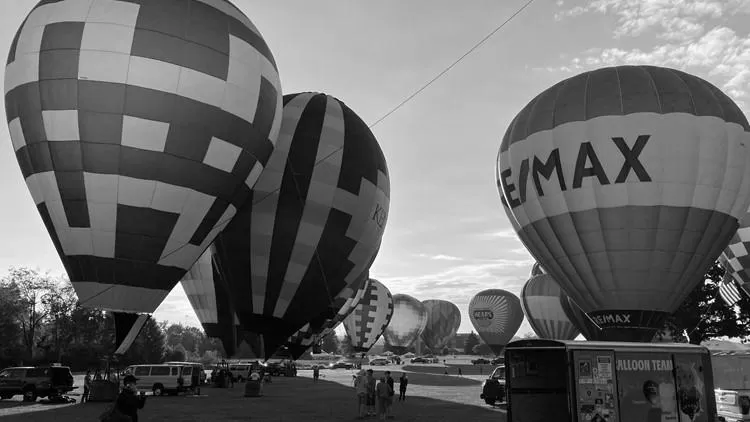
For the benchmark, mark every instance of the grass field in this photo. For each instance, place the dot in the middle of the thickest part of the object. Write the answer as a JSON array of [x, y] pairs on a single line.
[[429, 398]]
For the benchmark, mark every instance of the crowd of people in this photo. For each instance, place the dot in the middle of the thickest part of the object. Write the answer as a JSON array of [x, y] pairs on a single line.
[[375, 398]]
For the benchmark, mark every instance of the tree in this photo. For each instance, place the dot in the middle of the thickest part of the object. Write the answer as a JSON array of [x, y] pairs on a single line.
[[471, 341], [148, 347], [345, 346], [11, 348], [330, 343], [175, 353], [704, 315], [530, 334]]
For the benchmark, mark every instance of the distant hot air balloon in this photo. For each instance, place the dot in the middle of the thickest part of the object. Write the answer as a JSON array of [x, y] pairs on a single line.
[[314, 332], [496, 315], [443, 320], [313, 222], [407, 324], [140, 130], [366, 323], [626, 183], [736, 256], [209, 297], [542, 302], [536, 270]]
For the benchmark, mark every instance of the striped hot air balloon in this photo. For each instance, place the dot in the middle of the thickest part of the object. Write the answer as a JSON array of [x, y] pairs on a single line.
[[312, 332], [542, 302], [140, 128], [443, 320], [536, 270], [366, 323], [496, 315], [407, 324], [735, 258], [626, 183], [209, 297], [313, 222]]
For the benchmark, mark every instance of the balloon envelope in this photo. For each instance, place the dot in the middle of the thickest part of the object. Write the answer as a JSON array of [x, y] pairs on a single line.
[[542, 303], [408, 322], [536, 270], [735, 258], [443, 320], [139, 134], [626, 183], [313, 223], [496, 315], [589, 330], [367, 321]]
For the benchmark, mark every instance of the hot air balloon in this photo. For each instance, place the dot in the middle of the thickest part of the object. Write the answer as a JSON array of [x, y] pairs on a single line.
[[536, 270], [140, 130], [407, 324], [542, 303], [443, 320], [314, 332], [313, 222], [626, 183], [209, 297], [366, 323], [735, 258], [588, 328], [496, 315]]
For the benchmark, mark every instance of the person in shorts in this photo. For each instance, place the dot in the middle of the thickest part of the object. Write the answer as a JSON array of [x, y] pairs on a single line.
[[360, 387], [370, 379]]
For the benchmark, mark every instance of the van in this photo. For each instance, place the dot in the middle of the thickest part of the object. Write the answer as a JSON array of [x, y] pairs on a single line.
[[195, 371], [732, 383], [608, 381], [160, 378]]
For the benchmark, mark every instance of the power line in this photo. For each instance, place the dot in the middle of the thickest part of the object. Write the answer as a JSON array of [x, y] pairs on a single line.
[[439, 75]]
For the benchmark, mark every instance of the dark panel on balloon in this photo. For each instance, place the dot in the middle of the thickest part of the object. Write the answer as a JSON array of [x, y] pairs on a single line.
[[73, 195], [239, 30], [209, 27], [102, 97], [62, 36], [188, 141], [356, 163], [59, 94], [165, 16], [100, 127], [209, 221], [263, 119], [58, 64], [66, 156]]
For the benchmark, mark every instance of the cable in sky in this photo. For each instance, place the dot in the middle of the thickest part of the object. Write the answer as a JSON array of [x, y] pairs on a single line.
[[439, 75]]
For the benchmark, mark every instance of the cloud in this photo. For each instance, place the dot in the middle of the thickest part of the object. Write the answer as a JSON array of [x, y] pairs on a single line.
[[687, 39], [504, 234], [440, 257]]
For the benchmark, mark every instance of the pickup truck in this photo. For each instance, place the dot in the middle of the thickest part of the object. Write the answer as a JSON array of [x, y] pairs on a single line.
[[493, 388]]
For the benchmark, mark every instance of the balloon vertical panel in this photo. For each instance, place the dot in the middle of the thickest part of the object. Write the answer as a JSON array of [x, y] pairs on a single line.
[[139, 135], [314, 221], [626, 183]]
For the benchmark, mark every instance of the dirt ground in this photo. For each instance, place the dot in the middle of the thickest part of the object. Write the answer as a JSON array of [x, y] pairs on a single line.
[[429, 398]]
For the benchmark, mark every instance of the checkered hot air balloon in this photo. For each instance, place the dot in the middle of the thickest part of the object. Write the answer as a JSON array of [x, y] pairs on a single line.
[[209, 297], [314, 331], [735, 258], [313, 223], [542, 302], [443, 320], [140, 128], [366, 323], [407, 324], [625, 183], [496, 315]]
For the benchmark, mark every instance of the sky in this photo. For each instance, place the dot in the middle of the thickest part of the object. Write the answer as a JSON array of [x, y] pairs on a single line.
[[447, 236]]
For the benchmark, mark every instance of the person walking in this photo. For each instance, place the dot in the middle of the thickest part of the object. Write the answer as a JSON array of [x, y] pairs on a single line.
[[316, 373], [403, 382], [230, 379], [360, 387], [382, 397], [389, 399], [129, 401], [86, 387], [370, 393], [460, 374]]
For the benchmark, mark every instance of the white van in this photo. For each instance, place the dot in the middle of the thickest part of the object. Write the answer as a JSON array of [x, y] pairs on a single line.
[[193, 370], [160, 378]]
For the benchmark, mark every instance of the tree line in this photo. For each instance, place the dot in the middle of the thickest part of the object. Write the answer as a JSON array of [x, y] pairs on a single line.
[[41, 321]]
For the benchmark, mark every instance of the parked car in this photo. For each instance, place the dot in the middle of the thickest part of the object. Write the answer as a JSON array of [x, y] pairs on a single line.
[[342, 365], [498, 361], [493, 388], [32, 382], [379, 362], [420, 360], [481, 361]]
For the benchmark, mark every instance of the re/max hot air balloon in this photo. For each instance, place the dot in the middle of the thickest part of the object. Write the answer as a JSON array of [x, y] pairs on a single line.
[[542, 302], [313, 223], [140, 128], [314, 332], [626, 183], [366, 323], [407, 324], [496, 315], [443, 320], [209, 297]]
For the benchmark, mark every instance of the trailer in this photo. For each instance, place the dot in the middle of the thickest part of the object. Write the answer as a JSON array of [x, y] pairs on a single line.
[[582, 381], [732, 382]]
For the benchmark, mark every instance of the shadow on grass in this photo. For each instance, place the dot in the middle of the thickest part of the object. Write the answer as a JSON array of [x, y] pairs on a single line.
[[452, 369], [430, 379], [284, 400]]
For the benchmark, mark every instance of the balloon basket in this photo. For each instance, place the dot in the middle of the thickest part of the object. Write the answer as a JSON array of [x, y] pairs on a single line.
[[103, 391]]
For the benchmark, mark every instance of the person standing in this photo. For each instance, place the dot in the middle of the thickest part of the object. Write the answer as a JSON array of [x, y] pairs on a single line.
[[230, 378], [360, 387], [128, 402], [370, 393], [86, 387], [403, 382], [460, 374], [382, 397], [316, 373], [389, 399]]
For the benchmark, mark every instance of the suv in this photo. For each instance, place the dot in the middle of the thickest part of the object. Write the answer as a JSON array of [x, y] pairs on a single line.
[[480, 361], [493, 388], [32, 382]]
